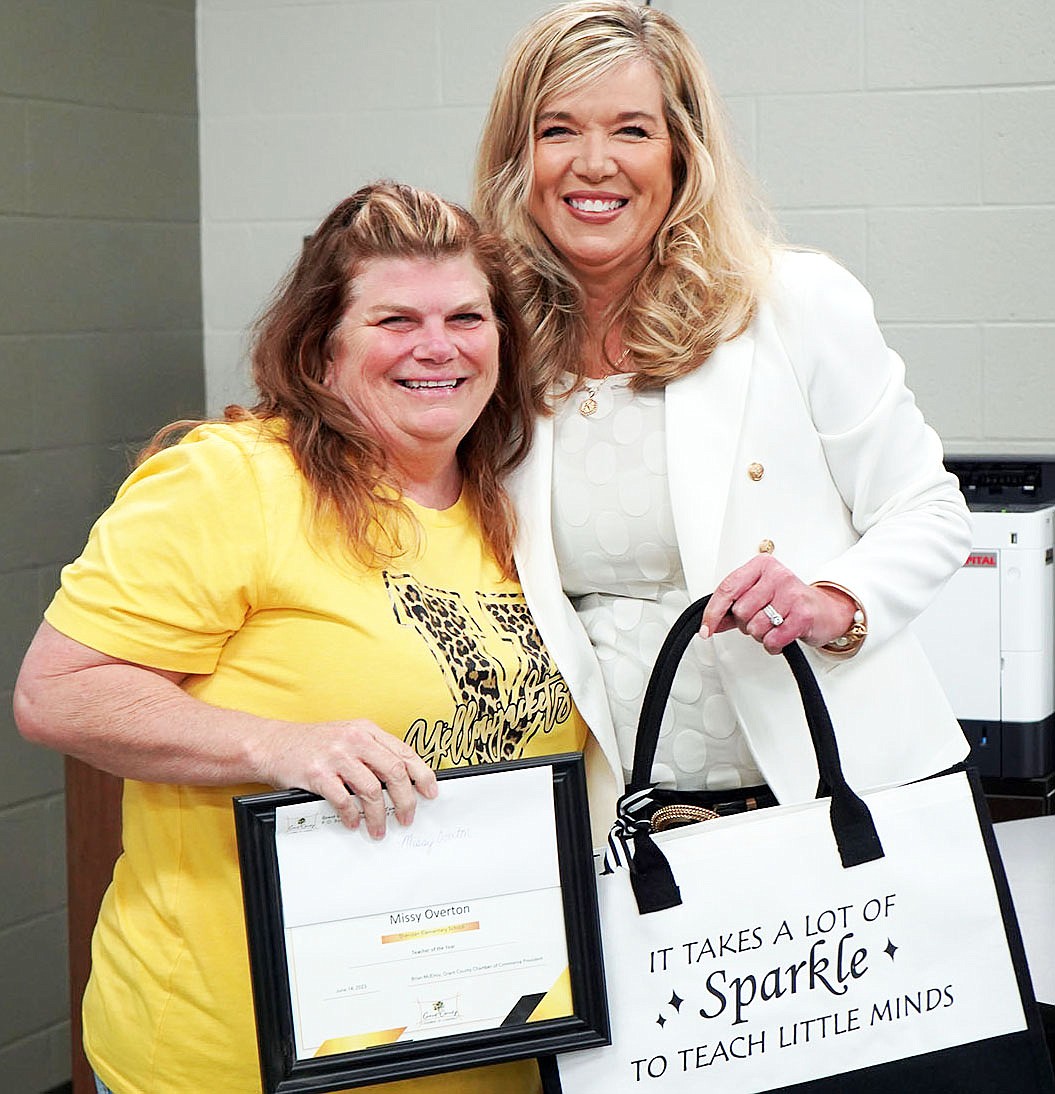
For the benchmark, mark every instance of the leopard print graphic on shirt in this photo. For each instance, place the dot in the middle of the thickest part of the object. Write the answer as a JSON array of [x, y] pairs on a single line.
[[500, 706]]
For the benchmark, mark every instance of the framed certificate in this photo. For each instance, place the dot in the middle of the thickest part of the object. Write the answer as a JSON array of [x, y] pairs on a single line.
[[469, 937]]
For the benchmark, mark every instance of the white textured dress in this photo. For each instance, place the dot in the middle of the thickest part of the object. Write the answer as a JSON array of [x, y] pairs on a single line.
[[620, 565]]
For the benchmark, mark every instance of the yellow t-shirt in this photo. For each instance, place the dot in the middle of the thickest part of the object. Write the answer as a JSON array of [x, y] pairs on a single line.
[[204, 565]]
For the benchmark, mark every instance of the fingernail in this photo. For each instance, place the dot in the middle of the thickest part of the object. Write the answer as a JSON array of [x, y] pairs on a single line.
[[705, 631]]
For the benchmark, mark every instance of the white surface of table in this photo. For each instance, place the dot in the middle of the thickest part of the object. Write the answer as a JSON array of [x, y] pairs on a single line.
[[1028, 850]]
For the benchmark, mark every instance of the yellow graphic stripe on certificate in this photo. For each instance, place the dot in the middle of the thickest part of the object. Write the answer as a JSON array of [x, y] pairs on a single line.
[[360, 1041], [431, 932], [557, 1002]]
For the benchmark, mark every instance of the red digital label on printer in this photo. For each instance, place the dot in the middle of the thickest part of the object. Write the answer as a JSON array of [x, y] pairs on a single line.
[[981, 560]]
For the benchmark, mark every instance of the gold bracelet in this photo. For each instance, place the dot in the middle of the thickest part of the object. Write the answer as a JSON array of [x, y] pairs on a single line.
[[847, 644]]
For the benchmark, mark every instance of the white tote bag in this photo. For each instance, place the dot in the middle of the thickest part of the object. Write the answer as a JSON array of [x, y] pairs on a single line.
[[857, 943]]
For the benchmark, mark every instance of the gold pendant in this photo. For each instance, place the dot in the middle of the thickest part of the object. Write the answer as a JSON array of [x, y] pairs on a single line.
[[588, 407]]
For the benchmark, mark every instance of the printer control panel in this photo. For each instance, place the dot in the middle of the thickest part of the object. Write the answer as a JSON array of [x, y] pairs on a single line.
[[993, 484]]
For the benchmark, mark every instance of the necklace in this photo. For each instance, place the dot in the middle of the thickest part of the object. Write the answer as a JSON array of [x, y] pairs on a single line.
[[588, 407]]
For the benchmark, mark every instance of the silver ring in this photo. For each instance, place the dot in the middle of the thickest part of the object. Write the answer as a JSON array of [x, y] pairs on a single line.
[[772, 615]]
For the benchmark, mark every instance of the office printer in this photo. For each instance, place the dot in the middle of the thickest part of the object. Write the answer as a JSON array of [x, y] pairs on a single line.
[[990, 634]]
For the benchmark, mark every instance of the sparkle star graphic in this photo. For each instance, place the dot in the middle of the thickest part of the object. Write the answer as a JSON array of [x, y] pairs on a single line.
[[890, 949], [661, 1021], [676, 1001]]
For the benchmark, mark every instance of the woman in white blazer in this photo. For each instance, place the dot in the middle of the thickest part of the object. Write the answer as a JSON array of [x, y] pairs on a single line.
[[726, 416]]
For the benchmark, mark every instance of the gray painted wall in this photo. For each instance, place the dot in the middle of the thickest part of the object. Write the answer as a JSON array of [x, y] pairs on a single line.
[[910, 138], [100, 342]]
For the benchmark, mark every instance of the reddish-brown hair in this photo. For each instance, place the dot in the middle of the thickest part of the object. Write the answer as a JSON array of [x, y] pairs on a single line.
[[346, 467]]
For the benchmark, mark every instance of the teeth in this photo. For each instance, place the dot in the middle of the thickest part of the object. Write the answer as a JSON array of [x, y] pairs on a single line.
[[596, 205], [415, 384]]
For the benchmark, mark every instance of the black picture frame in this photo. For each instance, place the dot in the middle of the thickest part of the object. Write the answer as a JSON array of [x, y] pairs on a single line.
[[587, 1027]]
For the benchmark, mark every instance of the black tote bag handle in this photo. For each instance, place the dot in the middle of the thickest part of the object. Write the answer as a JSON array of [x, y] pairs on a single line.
[[852, 824]]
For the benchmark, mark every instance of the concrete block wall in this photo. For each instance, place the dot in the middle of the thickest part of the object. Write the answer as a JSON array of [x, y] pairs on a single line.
[[910, 138], [301, 103], [100, 343]]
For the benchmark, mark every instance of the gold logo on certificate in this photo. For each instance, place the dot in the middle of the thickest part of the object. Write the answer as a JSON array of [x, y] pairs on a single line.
[[436, 1011]]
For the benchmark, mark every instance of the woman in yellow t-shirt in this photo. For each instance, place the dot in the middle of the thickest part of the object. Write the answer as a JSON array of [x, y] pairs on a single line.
[[311, 593]]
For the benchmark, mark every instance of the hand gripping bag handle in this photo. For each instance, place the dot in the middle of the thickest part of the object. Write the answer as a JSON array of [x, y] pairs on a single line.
[[852, 824]]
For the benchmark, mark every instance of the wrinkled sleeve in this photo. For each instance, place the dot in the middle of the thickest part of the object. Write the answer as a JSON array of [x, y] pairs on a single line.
[[171, 569], [885, 461]]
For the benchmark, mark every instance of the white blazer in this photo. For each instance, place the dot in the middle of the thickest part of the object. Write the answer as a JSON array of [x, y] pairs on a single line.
[[852, 490]]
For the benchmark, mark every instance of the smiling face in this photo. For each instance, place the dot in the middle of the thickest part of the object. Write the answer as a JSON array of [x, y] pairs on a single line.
[[603, 177], [416, 357]]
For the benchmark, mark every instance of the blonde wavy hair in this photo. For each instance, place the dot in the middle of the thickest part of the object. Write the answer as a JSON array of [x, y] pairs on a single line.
[[346, 466], [712, 254]]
